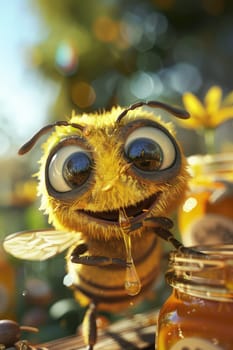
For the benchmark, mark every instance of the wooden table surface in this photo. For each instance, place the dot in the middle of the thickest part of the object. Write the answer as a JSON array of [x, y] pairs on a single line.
[[136, 332]]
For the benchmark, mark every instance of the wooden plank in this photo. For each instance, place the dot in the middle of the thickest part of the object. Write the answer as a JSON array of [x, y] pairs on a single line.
[[134, 333]]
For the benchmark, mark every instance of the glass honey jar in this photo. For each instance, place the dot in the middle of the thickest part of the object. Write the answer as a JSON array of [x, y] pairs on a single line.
[[206, 216], [198, 315]]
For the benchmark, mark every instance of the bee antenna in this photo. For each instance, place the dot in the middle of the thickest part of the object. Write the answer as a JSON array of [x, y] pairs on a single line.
[[29, 144], [177, 112]]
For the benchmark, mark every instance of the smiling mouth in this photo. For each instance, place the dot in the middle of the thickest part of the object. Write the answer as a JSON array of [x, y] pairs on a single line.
[[135, 212]]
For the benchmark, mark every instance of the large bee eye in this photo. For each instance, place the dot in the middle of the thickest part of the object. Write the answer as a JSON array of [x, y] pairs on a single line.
[[150, 149], [69, 168]]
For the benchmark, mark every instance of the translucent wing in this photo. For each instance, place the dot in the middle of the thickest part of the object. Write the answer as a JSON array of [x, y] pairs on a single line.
[[39, 244]]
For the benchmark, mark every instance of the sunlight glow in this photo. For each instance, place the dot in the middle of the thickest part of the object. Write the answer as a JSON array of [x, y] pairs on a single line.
[[24, 97]]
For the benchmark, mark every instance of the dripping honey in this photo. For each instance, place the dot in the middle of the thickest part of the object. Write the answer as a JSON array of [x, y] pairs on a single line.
[[132, 281]]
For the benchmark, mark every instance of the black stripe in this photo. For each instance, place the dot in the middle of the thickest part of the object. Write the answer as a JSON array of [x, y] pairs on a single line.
[[111, 298], [136, 261]]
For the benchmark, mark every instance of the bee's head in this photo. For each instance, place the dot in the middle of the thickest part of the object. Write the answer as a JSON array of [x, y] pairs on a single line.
[[98, 164]]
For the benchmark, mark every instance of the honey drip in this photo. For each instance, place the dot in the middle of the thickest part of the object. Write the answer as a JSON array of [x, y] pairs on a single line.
[[132, 281]]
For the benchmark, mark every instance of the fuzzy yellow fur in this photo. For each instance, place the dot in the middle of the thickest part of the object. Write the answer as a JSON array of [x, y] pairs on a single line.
[[113, 186]]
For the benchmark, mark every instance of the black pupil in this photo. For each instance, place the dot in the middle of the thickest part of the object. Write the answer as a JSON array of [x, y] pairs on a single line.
[[76, 169], [145, 154]]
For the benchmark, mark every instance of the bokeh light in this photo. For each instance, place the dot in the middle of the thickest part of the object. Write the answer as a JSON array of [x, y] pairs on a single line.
[[106, 29], [83, 94], [144, 85], [183, 77], [66, 58]]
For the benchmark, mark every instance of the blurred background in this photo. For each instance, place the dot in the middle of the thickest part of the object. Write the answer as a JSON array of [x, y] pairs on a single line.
[[58, 56]]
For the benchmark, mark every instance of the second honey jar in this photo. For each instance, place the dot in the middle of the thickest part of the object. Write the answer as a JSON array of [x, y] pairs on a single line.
[[206, 217]]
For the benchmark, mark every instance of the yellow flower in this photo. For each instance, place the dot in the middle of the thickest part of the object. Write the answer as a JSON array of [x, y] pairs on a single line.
[[212, 112]]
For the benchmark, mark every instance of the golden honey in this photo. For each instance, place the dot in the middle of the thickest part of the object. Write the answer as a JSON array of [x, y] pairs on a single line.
[[206, 217], [198, 315]]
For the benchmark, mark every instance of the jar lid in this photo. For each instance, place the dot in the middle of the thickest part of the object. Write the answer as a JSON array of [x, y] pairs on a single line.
[[208, 275], [211, 163]]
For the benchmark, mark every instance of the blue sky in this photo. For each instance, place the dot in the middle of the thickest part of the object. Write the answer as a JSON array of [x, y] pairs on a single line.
[[24, 96]]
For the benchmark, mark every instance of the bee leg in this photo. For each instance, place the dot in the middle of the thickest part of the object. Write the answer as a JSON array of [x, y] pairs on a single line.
[[89, 326], [78, 256], [93, 260], [161, 226], [165, 234], [158, 221]]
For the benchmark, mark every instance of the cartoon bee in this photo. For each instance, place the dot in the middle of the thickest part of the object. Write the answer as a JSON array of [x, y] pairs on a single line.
[[107, 182]]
